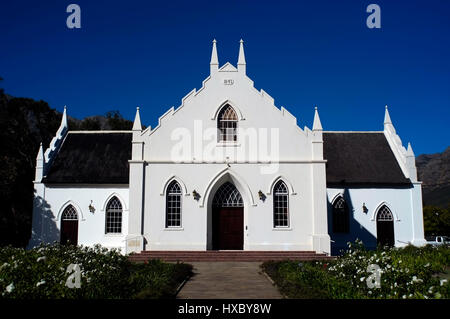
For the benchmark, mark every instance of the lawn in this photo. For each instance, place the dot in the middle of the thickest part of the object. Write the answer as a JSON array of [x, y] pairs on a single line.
[[388, 273], [50, 272]]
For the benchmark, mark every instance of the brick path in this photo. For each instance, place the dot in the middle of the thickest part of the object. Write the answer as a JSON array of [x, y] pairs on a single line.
[[228, 280]]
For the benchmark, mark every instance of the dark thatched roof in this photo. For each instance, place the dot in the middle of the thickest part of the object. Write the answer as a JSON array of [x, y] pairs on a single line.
[[361, 158], [92, 158]]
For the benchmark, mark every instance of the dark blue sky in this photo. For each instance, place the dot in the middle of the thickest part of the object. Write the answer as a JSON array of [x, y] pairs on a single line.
[[303, 53]]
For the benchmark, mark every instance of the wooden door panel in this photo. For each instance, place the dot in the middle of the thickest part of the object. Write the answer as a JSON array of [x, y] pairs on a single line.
[[231, 228], [69, 232], [385, 233]]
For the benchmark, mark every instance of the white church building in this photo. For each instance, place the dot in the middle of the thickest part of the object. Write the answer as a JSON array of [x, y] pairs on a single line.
[[227, 170]]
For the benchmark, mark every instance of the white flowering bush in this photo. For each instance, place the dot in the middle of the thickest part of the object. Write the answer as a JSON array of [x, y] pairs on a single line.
[[404, 273], [42, 272], [409, 272]]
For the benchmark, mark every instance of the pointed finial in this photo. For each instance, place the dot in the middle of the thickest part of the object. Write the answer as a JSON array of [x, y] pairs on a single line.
[[137, 121], [64, 117], [40, 163], [317, 126], [40, 155], [387, 117], [241, 59], [409, 151], [214, 57]]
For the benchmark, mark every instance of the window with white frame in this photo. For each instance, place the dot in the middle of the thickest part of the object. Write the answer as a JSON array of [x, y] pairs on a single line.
[[384, 214], [173, 205], [227, 124], [228, 196], [280, 205], [113, 216], [69, 213]]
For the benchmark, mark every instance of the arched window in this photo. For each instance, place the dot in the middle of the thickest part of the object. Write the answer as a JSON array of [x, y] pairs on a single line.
[[228, 196], [280, 205], [69, 213], [340, 216], [227, 124], [384, 214], [173, 205], [114, 216]]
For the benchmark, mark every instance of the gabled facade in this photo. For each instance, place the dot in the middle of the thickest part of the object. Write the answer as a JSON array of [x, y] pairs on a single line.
[[227, 169]]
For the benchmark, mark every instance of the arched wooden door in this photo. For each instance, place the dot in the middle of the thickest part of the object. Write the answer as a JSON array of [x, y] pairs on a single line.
[[385, 227], [228, 218], [69, 226]]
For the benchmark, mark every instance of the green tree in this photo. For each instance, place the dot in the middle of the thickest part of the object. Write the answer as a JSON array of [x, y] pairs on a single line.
[[436, 221], [116, 121], [90, 124]]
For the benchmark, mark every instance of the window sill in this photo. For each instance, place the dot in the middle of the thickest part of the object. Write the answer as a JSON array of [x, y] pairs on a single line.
[[174, 229], [282, 229], [225, 144], [114, 235]]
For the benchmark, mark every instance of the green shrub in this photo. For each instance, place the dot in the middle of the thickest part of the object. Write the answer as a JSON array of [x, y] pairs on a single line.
[[409, 272], [42, 273]]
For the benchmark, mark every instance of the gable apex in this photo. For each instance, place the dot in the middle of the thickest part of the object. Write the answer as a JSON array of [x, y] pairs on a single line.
[[228, 67]]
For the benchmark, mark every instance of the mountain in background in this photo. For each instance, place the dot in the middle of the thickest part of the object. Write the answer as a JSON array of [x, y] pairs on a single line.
[[433, 171]]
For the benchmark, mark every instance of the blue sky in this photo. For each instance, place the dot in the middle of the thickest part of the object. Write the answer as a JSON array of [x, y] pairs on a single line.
[[303, 53]]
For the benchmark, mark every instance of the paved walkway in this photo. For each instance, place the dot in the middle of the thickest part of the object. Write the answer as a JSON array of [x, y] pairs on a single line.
[[228, 280]]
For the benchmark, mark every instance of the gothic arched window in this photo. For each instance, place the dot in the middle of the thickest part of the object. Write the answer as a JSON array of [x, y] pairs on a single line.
[[227, 124], [173, 205], [69, 213], [114, 216], [340, 216], [228, 196], [280, 205]]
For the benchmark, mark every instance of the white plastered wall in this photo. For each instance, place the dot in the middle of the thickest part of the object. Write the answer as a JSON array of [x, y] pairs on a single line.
[[51, 202]]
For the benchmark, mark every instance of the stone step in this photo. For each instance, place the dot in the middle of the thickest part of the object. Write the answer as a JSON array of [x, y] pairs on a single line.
[[230, 259], [190, 256], [244, 253], [247, 252]]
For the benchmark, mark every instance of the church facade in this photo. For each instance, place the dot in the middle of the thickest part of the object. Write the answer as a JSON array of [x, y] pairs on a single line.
[[227, 170]]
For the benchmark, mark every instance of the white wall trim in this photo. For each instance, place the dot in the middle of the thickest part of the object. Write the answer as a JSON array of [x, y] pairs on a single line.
[[169, 180], [122, 201], [339, 194], [78, 209], [220, 174], [375, 212], [238, 111], [285, 180]]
